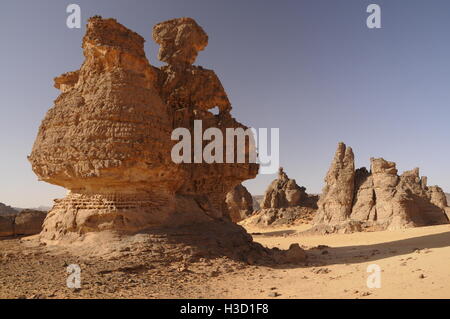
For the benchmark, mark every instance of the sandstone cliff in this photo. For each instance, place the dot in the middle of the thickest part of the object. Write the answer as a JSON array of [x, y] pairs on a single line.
[[354, 200]]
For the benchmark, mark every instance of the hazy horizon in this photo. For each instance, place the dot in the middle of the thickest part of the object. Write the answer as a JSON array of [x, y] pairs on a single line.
[[311, 68]]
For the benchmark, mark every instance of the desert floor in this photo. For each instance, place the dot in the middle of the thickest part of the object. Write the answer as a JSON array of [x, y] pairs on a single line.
[[415, 263]]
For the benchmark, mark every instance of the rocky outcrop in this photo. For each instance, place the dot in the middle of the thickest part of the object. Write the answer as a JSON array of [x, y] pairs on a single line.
[[284, 203], [27, 222], [7, 210], [7, 225], [190, 92], [240, 203], [354, 200], [284, 192], [108, 137], [336, 201], [108, 140]]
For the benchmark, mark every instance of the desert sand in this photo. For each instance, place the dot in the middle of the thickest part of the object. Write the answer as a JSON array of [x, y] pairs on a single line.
[[413, 262]]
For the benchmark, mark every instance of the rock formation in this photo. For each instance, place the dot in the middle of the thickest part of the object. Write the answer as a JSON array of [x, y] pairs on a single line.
[[29, 222], [284, 192], [26, 222], [108, 140], [7, 225], [240, 203], [337, 196], [379, 199], [7, 210], [190, 92], [108, 137], [284, 203]]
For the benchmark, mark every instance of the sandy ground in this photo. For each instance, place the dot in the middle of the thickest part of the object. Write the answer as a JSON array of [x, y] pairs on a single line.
[[414, 263]]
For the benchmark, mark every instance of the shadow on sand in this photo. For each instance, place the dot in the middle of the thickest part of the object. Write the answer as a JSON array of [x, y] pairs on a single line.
[[369, 253]]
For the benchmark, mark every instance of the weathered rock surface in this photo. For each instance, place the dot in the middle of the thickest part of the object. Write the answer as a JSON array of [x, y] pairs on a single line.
[[108, 137], [240, 203], [284, 203], [336, 201], [190, 92], [379, 199], [108, 141]]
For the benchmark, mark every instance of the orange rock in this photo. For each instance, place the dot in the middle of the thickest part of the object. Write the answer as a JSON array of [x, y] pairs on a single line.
[[108, 141]]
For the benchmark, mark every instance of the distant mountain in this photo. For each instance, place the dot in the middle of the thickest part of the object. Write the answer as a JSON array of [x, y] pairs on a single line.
[[6, 210], [40, 208]]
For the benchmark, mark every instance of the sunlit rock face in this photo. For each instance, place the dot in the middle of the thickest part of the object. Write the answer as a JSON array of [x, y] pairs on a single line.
[[284, 203], [239, 203], [191, 92], [379, 199], [107, 139]]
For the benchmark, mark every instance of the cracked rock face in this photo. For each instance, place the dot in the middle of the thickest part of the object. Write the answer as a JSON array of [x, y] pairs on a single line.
[[379, 199], [107, 139]]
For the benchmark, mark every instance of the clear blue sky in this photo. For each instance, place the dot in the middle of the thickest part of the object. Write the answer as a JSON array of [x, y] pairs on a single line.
[[310, 67]]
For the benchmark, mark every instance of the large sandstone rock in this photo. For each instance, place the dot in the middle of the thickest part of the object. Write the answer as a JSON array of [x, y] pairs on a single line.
[[190, 92], [240, 203], [379, 199], [108, 141], [283, 192], [437, 196], [108, 137], [284, 203], [335, 204]]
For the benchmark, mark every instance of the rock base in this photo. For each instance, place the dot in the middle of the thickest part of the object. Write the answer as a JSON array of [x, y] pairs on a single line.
[[209, 240], [280, 217]]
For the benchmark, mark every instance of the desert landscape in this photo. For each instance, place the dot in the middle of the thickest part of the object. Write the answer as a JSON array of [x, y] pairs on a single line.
[[155, 165], [305, 254], [411, 261]]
